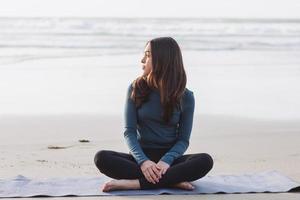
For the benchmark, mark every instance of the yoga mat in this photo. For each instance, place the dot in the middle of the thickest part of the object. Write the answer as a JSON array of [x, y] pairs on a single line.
[[267, 181]]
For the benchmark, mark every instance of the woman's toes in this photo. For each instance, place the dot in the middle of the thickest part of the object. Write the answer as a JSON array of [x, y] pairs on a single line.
[[108, 186], [185, 186], [188, 186], [105, 187], [120, 185]]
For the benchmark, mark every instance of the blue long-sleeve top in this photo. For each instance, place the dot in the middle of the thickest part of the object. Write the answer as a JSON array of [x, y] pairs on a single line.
[[144, 127]]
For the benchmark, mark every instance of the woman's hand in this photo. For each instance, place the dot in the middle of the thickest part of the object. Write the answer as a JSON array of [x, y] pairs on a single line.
[[151, 171], [163, 166]]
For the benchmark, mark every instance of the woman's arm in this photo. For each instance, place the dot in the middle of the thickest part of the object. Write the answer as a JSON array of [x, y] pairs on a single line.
[[184, 130], [130, 133]]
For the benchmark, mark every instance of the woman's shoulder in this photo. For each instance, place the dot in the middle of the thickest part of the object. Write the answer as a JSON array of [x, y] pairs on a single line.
[[188, 94], [188, 98], [130, 86]]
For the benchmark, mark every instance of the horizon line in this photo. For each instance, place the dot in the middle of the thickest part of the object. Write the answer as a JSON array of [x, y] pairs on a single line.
[[216, 19]]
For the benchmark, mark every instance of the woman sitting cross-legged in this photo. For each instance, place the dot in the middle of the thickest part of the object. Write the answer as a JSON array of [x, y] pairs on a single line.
[[159, 112]]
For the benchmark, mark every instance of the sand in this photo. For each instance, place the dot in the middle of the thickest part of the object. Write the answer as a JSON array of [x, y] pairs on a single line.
[[238, 145]]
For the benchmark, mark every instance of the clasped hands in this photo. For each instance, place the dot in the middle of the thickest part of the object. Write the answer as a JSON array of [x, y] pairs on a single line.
[[154, 171]]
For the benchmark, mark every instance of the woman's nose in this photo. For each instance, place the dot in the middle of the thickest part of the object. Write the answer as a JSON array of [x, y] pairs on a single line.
[[143, 60]]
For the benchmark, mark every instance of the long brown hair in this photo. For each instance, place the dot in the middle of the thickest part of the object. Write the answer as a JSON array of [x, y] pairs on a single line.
[[167, 76]]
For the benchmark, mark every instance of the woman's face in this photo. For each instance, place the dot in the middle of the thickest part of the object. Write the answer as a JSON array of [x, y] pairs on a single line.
[[147, 60]]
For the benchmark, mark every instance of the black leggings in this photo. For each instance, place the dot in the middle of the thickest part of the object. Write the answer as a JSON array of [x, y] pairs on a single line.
[[118, 165]]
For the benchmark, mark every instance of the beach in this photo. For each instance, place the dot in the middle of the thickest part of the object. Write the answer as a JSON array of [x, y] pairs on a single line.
[[238, 145], [247, 110]]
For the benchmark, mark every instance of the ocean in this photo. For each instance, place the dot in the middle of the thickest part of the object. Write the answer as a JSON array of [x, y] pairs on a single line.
[[35, 38], [240, 67]]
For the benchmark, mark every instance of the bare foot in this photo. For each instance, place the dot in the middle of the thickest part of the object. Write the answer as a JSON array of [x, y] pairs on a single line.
[[122, 184], [184, 185]]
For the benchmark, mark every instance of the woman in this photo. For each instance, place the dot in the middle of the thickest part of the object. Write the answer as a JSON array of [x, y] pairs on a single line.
[[158, 122]]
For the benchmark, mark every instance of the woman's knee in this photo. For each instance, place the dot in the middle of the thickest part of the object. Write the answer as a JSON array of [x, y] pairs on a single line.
[[205, 161], [101, 157], [209, 160]]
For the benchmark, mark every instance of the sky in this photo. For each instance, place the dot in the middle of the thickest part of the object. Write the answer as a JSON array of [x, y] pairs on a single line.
[[152, 8]]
